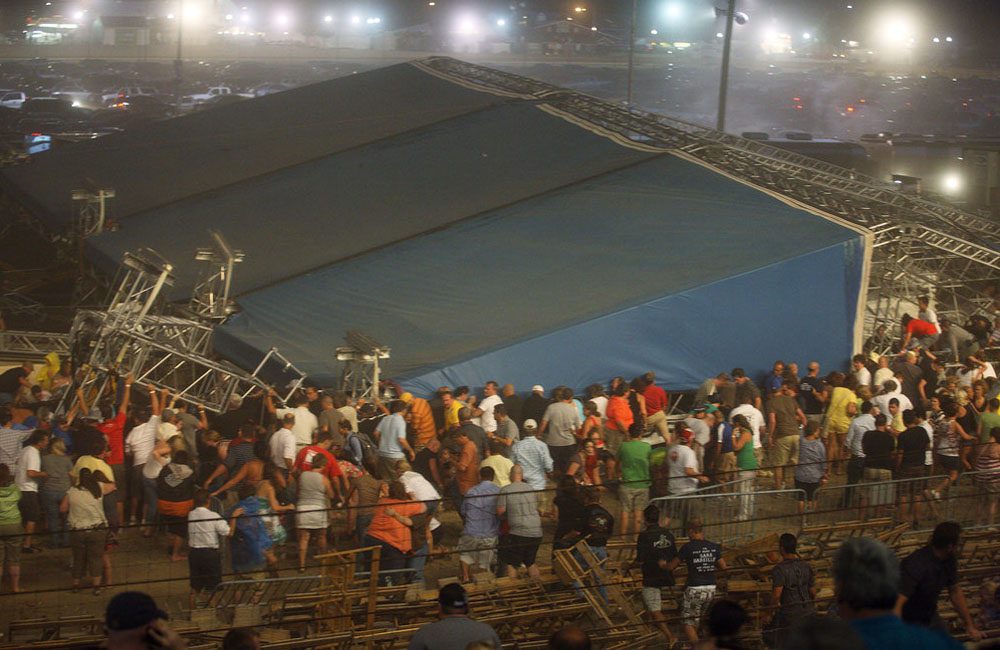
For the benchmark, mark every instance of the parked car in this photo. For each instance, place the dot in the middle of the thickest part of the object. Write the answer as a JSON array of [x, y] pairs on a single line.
[[113, 94], [217, 91], [12, 98]]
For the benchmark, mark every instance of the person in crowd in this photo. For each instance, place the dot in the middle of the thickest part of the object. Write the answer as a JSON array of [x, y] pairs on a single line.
[[391, 437], [347, 409], [314, 493], [233, 454], [657, 403], [959, 342], [500, 464], [518, 503], [709, 390], [746, 388], [283, 446], [175, 488], [112, 425], [14, 381], [812, 392], [633, 493], [724, 620], [426, 463], [241, 638], [948, 439], [758, 426], [535, 404], [862, 423], [391, 525], [477, 546], [812, 469], [702, 559], [251, 545], [450, 408], [483, 411], [616, 426], [305, 423], [513, 403], [466, 463], [534, 458], [305, 460], [909, 375], [568, 511], [506, 432], [589, 461], [746, 464], [28, 475], [988, 479], [10, 528], [427, 531], [697, 422], [724, 452], [656, 554], [251, 471], [793, 591], [912, 444], [880, 458], [133, 620], [866, 586], [206, 532], [842, 406], [454, 629], [84, 507], [597, 526], [925, 573], [773, 381], [569, 637], [785, 420], [560, 425], [140, 443], [56, 466], [890, 390], [917, 333], [366, 490], [328, 421], [11, 439], [860, 369]]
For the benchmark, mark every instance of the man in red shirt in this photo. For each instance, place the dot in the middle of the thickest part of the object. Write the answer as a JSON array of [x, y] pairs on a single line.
[[657, 402], [303, 463], [920, 332], [113, 428]]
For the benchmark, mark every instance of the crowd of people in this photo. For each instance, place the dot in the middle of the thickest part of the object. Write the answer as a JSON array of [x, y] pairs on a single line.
[[264, 479]]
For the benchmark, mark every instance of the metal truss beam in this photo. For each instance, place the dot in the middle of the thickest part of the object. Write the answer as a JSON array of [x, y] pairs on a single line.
[[920, 245], [31, 346]]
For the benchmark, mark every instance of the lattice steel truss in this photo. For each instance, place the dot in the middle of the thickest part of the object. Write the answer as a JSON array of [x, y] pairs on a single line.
[[137, 334], [920, 246], [362, 371], [16, 345]]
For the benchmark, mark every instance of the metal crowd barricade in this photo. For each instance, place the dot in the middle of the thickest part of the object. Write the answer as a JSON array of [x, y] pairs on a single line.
[[734, 516], [959, 504]]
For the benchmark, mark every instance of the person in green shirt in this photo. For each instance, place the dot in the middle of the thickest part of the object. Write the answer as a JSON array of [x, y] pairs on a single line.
[[10, 528], [746, 461], [633, 459], [988, 420]]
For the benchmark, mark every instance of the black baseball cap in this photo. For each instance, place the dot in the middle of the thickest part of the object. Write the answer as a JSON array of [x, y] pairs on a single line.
[[131, 609], [453, 595]]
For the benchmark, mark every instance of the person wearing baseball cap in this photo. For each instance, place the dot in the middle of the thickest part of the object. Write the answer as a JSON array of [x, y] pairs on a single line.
[[133, 621], [454, 630], [535, 404]]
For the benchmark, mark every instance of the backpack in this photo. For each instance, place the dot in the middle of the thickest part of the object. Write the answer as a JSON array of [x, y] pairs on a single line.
[[369, 450]]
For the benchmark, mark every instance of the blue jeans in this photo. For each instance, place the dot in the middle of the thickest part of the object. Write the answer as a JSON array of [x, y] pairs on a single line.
[[417, 561], [149, 496], [53, 519]]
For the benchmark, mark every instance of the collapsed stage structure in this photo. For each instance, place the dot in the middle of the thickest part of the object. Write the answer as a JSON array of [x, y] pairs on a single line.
[[483, 224]]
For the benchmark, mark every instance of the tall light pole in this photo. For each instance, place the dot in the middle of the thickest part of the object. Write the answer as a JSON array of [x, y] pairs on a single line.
[[179, 61], [631, 53], [720, 120]]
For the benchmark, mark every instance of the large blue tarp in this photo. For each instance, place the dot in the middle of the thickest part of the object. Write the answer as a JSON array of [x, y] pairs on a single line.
[[664, 265], [305, 217]]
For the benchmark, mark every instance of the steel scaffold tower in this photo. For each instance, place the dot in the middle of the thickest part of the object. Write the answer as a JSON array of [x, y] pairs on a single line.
[[920, 246]]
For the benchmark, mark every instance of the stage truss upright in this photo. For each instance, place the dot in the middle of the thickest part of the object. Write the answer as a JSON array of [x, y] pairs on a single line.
[[920, 245], [164, 346]]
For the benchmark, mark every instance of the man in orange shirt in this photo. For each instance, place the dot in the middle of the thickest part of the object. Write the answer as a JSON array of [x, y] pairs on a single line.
[[616, 426], [467, 465], [421, 417]]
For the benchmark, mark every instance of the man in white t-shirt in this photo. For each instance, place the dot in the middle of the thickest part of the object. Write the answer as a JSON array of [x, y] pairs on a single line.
[[890, 390], [420, 489], [207, 532], [139, 443], [861, 372], [683, 464], [26, 475], [483, 412], [283, 444], [306, 423]]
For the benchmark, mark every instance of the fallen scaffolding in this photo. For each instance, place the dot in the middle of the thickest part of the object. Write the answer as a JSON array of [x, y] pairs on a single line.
[[168, 346], [920, 246]]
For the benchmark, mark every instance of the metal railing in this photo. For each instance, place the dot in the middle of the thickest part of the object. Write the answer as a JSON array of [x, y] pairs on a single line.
[[738, 515]]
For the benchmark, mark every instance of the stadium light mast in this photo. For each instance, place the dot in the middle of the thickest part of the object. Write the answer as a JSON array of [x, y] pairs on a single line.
[[179, 61], [631, 54], [731, 16]]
